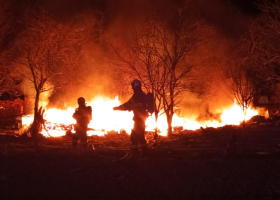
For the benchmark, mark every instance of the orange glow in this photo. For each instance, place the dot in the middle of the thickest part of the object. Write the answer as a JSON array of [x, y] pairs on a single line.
[[104, 119]]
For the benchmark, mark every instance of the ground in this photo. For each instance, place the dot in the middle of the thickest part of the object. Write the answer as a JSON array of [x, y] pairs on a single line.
[[224, 163]]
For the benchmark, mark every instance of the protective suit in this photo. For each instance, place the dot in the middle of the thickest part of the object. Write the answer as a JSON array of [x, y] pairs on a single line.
[[137, 104], [82, 115]]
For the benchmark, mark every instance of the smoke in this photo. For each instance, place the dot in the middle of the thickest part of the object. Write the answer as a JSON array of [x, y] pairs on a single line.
[[97, 75], [93, 78]]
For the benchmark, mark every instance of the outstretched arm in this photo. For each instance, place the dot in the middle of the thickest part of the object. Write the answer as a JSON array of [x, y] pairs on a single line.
[[126, 106]]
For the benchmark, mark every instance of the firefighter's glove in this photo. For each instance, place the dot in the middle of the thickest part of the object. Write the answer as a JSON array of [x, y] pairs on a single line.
[[116, 108], [121, 107]]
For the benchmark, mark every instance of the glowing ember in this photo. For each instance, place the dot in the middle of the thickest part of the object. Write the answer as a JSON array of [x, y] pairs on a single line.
[[104, 119]]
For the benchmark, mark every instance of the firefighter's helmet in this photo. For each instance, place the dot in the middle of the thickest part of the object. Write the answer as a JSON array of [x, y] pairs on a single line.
[[135, 83], [81, 100]]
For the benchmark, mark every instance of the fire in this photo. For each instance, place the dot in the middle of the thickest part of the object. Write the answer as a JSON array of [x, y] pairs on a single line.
[[104, 119], [234, 115]]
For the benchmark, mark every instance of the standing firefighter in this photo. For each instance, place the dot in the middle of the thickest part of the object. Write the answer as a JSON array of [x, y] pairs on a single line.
[[137, 103], [82, 115]]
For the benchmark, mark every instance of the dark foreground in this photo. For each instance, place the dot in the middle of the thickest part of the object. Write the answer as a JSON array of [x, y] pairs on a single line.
[[191, 166]]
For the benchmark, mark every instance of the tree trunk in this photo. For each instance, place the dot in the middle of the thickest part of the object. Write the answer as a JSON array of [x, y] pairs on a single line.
[[156, 114], [35, 125], [169, 123], [171, 105], [156, 119]]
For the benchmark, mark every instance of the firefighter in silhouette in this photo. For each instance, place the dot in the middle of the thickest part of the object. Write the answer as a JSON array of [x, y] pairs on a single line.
[[137, 104], [82, 115]]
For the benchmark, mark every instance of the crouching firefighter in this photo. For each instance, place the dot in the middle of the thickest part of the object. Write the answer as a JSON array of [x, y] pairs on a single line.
[[137, 104], [82, 115]]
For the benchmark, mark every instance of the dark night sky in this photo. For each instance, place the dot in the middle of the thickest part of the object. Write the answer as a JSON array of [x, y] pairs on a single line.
[[69, 7], [228, 16], [246, 6]]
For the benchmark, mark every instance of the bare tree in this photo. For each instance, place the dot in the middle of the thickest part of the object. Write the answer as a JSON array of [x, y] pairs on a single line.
[[176, 45], [241, 85], [260, 48], [84, 65], [7, 78], [160, 58], [263, 40], [44, 46]]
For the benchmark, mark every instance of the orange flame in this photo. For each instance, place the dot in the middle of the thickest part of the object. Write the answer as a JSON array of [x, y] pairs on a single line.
[[104, 119]]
